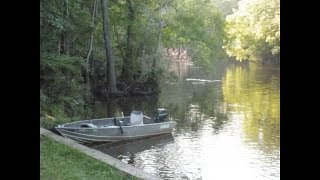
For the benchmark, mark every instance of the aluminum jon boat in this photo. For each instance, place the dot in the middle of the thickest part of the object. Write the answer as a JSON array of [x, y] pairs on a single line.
[[135, 126]]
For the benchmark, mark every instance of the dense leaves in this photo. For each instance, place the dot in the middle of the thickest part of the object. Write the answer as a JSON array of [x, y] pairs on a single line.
[[61, 86], [198, 27], [144, 37], [253, 31]]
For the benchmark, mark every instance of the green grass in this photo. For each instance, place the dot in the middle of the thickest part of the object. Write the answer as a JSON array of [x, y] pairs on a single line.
[[58, 161]]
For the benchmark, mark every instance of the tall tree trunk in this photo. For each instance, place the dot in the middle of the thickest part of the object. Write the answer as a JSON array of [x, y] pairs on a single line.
[[157, 50], [66, 33], [127, 61], [88, 57], [59, 43], [67, 43], [156, 53], [110, 74], [161, 22]]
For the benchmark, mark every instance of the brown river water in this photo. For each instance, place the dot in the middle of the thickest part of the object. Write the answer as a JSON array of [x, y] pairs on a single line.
[[228, 125]]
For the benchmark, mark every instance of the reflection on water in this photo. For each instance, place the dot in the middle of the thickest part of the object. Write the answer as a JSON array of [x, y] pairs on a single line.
[[228, 129], [255, 96], [128, 150]]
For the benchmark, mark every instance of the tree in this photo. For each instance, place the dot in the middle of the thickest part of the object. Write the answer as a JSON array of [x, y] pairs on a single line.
[[127, 60], [253, 31], [201, 35], [88, 56], [135, 44], [110, 74]]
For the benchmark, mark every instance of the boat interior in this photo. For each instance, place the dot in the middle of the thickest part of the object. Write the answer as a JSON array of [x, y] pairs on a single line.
[[106, 122]]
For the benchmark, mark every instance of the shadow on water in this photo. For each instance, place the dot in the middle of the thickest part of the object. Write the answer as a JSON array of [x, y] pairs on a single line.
[[121, 149], [195, 98], [187, 103]]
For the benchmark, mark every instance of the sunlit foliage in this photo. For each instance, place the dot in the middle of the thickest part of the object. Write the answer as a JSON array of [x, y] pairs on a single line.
[[253, 31]]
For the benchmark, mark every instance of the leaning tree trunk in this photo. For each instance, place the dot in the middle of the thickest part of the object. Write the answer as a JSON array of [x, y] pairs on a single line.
[[127, 61], [110, 74], [88, 57]]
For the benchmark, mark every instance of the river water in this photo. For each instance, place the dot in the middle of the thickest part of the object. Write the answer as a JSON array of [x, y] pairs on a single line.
[[228, 125]]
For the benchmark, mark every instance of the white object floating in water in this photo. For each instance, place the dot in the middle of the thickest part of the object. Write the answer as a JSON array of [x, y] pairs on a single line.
[[202, 80]]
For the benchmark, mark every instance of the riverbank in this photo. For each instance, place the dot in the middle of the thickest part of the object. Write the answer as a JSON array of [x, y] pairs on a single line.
[[59, 161], [62, 158]]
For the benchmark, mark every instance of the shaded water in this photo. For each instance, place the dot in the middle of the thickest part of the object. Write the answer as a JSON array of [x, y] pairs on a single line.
[[226, 129]]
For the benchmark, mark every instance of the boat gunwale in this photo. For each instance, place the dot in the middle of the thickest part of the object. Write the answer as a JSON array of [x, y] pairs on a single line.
[[109, 127], [120, 137], [99, 119], [88, 140]]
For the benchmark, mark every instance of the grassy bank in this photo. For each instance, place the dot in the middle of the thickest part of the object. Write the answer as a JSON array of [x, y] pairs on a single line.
[[58, 161]]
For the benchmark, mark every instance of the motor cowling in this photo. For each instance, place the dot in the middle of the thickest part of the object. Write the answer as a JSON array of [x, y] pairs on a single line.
[[161, 114]]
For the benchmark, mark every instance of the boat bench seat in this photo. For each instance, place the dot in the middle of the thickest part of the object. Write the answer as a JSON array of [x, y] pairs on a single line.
[[88, 125], [105, 126], [125, 122], [122, 122]]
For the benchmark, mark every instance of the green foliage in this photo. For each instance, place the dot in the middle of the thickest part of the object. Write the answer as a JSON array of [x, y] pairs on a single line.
[[197, 26], [226, 6], [61, 89], [253, 31], [54, 21]]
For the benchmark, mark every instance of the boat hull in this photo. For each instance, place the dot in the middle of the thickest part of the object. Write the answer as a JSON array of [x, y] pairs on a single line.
[[114, 133]]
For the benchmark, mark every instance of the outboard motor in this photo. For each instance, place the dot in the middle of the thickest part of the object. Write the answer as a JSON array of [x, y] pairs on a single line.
[[161, 115]]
